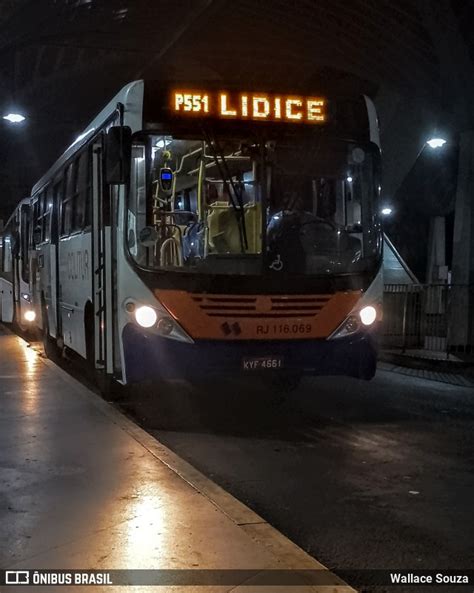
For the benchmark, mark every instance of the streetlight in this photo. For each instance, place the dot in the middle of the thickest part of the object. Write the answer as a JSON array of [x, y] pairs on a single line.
[[14, 118], [386, 211], [436, 143]]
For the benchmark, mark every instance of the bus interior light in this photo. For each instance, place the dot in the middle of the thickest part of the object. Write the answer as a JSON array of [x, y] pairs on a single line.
[[146, 316]]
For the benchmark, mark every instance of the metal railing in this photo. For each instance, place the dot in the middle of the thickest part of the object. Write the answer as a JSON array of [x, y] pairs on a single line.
[[428, 316]]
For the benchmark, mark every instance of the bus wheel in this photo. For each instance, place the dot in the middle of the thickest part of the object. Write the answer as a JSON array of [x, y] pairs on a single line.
[[49, 344]]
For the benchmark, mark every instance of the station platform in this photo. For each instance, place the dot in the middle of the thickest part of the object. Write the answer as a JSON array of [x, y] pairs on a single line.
[[84, 488]]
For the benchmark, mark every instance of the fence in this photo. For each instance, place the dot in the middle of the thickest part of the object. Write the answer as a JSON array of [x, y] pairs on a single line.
[[428, 316]]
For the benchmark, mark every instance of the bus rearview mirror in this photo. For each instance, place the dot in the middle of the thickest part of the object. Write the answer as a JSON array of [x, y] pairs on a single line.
[[118, 152]]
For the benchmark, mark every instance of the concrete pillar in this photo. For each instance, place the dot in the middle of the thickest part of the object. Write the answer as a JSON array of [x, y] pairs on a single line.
[[462, 312], [437, 271], [457, 84]]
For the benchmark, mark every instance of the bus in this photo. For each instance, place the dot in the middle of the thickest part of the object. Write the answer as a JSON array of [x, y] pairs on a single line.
[[15, 298], [193, 231]]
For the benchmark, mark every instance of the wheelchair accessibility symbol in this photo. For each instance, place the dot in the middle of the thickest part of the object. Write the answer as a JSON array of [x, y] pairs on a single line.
[[277, 264]]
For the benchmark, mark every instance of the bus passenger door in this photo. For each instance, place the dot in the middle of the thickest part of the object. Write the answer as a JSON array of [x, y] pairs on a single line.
[[6, 279], [102, 250], [6, 305], [47, 261]]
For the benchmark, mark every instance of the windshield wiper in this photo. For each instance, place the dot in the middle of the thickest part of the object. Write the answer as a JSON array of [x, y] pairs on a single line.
[[227, 180]]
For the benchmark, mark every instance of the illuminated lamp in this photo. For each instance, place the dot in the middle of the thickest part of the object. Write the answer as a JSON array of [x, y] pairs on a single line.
[[146, 316], [436, 142], [29, 316], [14, 118], [368, 315]]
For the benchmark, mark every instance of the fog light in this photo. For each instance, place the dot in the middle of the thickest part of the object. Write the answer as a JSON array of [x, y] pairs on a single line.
[[146, 316], [165, 326], [352, 324], [29, 316], [368, 315], [348, 327]]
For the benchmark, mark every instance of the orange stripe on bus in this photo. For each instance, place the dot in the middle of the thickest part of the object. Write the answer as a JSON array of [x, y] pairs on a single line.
[[258, 317]]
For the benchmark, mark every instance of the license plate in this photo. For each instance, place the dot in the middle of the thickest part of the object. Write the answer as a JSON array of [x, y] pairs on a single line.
[[262, 363]]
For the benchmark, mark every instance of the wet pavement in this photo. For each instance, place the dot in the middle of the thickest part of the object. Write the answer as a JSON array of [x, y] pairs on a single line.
[[82, 487], [360, 474]]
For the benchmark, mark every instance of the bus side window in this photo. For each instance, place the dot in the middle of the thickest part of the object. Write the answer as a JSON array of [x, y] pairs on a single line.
[[44, 213], [7, 253], [24, 232], [37, 234], [82, 193], [47, 210], [68, 201], [88, 193], [34, 218], [56, 212], [41, 218], [138, 203]]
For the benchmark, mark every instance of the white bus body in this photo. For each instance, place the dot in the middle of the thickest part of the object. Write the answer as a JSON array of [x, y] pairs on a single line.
[[80, 281], [88, 287], [15, 297]]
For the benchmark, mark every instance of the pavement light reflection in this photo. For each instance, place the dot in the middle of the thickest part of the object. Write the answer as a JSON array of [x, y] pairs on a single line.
[[31, 359], [146, 533], [374, 442], [29, 399]]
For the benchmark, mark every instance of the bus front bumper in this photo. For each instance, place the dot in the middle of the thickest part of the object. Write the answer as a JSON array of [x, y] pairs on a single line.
[[152, 357]]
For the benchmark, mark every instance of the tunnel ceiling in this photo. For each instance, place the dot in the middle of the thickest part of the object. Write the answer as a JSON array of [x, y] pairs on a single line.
[[58, 49], [60, 60]]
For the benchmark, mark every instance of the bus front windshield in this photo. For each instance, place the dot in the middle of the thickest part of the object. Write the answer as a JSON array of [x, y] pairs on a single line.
[[303, 205]]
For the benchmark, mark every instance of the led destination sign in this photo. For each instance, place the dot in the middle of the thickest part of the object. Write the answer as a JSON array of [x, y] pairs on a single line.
[[250, 106]]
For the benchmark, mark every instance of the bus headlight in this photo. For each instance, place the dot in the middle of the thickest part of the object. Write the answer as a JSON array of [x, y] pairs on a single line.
[[156, 320], [146, 316], [352, 324], [29, 316], [368, 315]]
